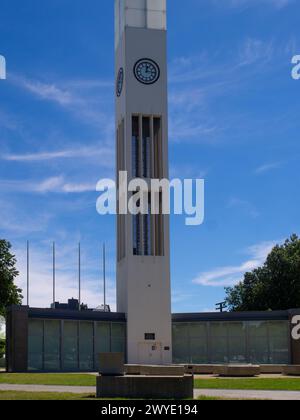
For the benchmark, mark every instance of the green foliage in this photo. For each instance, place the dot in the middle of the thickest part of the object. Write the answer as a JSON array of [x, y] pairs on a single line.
[[274, 286], [2, 347], [10, 294]]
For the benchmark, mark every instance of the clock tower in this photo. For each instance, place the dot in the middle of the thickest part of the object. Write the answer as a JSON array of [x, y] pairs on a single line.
[[143, 250]]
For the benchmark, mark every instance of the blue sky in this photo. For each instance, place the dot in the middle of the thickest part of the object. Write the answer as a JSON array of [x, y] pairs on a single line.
[[234, 120]]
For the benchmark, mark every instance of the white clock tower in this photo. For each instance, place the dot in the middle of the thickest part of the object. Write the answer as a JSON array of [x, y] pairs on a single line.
[[143, 260]]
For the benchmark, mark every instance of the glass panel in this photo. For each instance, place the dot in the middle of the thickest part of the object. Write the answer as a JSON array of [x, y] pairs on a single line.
[[136, 226], [279, 344], [70, 346], [158, 158], [159, 229], [258, 342], [146, 148], [135, 147], [52, 345], [86, 346], [102, 339], [237, 344], [198, 343], [118, 338], [199, 350], [180, 343], [198, 330], [219, 351], [35, 345], [147, 233]]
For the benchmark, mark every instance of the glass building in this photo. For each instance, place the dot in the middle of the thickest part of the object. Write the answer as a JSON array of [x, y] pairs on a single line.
[[249, 342], [66, 345], [54, 340]]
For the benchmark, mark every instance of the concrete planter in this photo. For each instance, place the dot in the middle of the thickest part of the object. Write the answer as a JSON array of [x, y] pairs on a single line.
[[145, 387], [291, 370], [238, 371]]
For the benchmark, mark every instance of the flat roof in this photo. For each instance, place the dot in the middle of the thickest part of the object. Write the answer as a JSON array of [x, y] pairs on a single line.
[[75, 315], [49, 313], [232, 316]]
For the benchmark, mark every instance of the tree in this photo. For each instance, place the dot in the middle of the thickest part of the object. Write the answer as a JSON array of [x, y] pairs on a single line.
[[10, 294], [274, 286]]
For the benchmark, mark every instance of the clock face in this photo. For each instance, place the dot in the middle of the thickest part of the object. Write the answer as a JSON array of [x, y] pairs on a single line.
[[120, 81], [147, 71]]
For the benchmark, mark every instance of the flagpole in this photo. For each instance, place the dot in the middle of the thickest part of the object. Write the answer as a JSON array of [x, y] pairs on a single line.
[[104, 276], [79, 276], [28, 273], [54, 273]]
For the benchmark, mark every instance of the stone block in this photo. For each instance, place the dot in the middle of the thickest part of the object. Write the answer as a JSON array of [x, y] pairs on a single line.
[[132, 369], [200, 369], [145, 387], [237, 370], [271, 369], [111, 364], [162, 370], [291, 370]]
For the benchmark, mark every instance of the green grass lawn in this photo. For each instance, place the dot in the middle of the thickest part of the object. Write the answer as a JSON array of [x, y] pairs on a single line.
[[259, 384], [271, 384], [24, 396], [47, 379], [44, 396]]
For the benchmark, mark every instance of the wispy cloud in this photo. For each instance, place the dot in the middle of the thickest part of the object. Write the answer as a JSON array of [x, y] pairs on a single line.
[[187, 172], [67, 268], [231, 275], [255, 50], [56, 184], [17, 222], [86, 100], [106, 154], [49, 92], [267, 167], [243, 205], [197, 84], [277, 4]]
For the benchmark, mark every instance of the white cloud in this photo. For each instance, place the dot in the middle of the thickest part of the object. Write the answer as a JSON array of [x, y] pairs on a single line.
[[188, 130], [106, 154], [41, 280], [49, 185], [85, 100], [49, 92], [231, 275], [254, 51], [267, 167]]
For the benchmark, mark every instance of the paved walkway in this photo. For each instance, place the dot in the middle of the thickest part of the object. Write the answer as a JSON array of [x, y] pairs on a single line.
[[231, 394], [249, 395], [49, 388]]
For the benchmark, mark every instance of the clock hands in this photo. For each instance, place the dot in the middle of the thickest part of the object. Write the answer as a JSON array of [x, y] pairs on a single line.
[[147, 71]]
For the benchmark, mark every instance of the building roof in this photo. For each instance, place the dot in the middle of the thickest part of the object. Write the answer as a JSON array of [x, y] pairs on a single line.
[[91, 315]]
